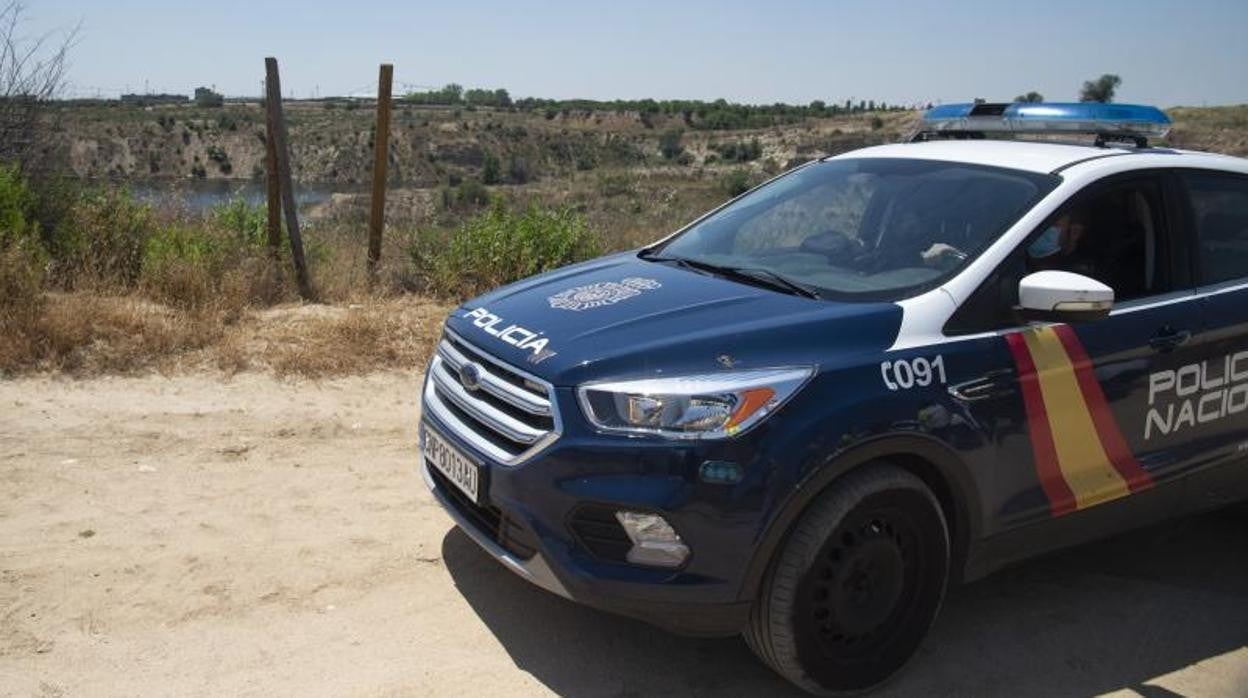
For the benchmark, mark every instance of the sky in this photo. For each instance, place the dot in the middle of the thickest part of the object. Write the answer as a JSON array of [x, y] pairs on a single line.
[[898, 51]]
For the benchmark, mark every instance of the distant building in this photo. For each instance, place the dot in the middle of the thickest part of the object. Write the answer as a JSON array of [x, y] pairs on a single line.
[[147, 100], [205, 97]]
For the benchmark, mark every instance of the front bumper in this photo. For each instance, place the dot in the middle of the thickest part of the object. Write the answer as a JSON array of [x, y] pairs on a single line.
[[533, 569], [696, 600]]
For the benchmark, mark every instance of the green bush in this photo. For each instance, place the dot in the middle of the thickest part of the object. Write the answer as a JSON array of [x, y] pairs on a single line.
[[617, 184], [491, 171], [736, 183], [249, 223], [468, 194], [180, 242], [499, 246], [102, 237], [739, 151], [16, 207], [670, 144]]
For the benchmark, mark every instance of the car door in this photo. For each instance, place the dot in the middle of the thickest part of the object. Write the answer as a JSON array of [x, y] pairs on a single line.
[[1217, 206], [1071, 402]]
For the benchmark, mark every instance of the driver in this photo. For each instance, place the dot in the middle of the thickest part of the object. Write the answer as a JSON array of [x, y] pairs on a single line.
[[1059, 246]]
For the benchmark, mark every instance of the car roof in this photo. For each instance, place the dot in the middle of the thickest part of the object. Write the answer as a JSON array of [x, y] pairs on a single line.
[[1032, 156]]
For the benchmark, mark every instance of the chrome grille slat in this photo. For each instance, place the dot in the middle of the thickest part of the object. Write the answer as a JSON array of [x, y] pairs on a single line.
[[509, 416], [499, 388], [434, 404], [506, 425]]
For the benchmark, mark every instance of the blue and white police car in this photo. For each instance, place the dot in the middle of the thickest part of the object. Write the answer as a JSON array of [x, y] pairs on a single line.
[[805, 414]]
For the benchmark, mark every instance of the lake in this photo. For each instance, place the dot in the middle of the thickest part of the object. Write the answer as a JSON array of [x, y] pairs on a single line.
[[196, 195]]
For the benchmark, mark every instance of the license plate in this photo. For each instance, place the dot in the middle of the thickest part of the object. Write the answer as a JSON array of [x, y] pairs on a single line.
[[451, 462]]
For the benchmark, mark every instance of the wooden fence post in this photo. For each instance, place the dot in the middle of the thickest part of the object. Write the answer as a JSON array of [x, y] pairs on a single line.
[[381, 157], [274, 191], [273, 101]]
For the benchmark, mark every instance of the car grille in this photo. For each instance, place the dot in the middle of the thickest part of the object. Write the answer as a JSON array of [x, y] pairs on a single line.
[[508, 415]]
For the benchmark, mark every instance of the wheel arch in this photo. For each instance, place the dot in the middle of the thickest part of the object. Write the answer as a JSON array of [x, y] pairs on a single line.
[[928, 458]]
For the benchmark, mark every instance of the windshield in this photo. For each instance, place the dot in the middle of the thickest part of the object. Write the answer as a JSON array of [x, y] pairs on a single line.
[[863, 229]]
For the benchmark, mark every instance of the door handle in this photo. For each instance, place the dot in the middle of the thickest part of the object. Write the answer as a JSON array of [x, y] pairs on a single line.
[[994, 384], [1169, 339]]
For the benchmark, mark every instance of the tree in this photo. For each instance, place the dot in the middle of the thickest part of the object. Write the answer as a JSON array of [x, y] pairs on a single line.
[[31, 74], [670, 144], [1030, 98], [491, 171], [1101, 89]]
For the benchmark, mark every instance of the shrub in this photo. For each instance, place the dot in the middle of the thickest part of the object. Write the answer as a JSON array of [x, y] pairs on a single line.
[[471, 193], [21, 303], [499, 246], [249, 223], [180, 263], [491, 171], [670, 145], [519, 171], [219, 260], [736, 183], [16, 206], [740, 151], [102, 238], [616, 184], [218, 155]]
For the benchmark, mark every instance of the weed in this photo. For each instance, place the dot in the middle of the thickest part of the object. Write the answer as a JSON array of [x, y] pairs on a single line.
[[498, 246]]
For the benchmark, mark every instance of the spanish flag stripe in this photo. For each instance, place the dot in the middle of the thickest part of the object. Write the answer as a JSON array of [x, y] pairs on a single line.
[[1106, 426], [1080, 455], [1061, 499]]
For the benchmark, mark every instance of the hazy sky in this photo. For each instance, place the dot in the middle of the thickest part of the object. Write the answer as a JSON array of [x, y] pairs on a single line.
[[1168, 53]]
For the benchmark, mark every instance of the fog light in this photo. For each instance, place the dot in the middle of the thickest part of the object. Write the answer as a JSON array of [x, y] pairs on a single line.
[[655, 542], [720, 472]]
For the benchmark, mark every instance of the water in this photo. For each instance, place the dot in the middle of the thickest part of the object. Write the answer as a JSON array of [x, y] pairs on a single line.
[[198, 195]]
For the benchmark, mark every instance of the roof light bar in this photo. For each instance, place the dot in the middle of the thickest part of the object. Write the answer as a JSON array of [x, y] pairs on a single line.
[[1132, 121]]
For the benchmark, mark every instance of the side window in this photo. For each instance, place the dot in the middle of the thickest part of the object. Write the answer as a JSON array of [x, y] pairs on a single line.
[[1220, 211], [1114, 233]]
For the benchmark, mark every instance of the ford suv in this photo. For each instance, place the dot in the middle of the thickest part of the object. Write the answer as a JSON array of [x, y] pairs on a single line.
[[804, 415]]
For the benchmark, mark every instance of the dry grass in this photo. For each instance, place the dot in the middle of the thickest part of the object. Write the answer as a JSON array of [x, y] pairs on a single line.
[[88, 334], [320, 341], [82, 335]]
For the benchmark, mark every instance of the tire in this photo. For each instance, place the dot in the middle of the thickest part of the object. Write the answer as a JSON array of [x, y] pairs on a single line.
[[856, 586]]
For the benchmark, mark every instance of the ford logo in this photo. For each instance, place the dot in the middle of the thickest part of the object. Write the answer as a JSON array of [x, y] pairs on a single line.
[[470, 376]]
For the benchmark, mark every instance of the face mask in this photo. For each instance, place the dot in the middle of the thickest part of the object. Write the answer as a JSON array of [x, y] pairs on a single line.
[[1048, 244]]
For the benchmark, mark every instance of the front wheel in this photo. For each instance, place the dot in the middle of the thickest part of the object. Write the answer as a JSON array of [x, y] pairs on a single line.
[[856, 586]]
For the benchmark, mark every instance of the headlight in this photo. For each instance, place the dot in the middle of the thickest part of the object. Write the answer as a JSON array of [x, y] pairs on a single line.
[[710, 406]]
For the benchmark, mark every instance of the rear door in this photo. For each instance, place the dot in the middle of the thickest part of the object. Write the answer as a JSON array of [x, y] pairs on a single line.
[[1215, 390]]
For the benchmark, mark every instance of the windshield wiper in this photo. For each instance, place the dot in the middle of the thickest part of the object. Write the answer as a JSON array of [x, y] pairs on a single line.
[[774, 280], [751, 275]]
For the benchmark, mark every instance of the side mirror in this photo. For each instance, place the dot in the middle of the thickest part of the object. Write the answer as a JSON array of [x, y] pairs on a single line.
[[1061, 296]]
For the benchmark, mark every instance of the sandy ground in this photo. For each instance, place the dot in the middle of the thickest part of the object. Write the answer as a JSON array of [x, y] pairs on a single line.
[[193, 536]]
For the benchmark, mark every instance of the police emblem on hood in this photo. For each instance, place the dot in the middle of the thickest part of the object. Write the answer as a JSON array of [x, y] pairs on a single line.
[[602, 293]]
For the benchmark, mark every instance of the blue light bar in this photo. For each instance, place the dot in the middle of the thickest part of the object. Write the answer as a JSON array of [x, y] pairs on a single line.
[[1132, 120]]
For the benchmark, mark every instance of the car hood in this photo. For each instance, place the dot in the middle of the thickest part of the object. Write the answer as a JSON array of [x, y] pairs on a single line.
[[622, 316]]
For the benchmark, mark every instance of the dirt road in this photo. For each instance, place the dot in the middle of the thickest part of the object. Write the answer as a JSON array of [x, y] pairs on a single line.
[[194, 536]]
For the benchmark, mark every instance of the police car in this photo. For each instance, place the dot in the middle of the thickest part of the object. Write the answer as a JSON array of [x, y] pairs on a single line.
[[807, 413]]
